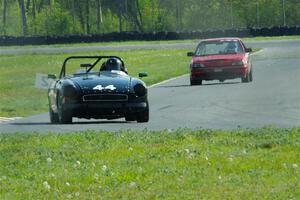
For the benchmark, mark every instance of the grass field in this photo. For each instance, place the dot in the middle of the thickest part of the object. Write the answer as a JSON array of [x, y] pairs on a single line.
[[19, 97], [173, 164]]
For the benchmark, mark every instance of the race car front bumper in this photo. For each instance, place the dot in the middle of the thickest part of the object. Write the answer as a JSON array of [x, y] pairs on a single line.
[[218, 73], [105, 109]]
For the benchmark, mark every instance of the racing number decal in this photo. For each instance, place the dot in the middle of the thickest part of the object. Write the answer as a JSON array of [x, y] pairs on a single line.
[[100, 87], [110, 87]]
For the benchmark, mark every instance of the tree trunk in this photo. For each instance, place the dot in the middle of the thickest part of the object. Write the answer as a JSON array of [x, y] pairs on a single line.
[[120, 22], [99, 15], [73, 13], [283, 13], [33, 9], [177, 15], [34, 16], [87, 17], [23, 14], [138, 18], [27, 5], [81, 17], [4, 16]]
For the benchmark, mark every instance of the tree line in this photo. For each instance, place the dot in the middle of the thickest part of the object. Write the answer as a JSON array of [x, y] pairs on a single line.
[[65, 17]]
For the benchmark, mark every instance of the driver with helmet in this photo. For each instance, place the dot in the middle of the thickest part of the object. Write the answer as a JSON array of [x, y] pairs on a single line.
[[113, 64]]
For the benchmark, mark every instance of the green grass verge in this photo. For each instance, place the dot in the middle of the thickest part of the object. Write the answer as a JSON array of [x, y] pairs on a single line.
[[179, 164], [19, 97]]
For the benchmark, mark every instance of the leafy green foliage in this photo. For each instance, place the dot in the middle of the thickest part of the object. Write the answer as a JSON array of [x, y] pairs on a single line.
[[59, 17], [19, 97], [55, 21], [170, 164]]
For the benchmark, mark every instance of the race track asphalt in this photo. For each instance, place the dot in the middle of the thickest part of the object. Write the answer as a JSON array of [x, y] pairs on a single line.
[[273, 98]]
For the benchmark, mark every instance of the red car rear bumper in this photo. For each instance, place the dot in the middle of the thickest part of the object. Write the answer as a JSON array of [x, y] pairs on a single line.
[[218, 73]]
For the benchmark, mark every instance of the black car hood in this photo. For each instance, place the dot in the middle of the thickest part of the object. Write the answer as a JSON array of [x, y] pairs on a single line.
[[98, 82]]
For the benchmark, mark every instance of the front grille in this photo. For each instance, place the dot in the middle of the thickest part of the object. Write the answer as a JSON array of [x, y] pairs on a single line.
[[216, 60], [105, 97]]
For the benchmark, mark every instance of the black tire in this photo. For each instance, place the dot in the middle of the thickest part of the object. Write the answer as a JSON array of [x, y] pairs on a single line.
[[143, 116], [64, 116], [199, 82], [246, 79], [53, 116], [196, 82], [130, 117], [192, 82], [251, 76]]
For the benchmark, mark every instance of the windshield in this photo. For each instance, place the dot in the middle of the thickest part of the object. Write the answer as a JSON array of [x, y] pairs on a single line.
[[218, 48]]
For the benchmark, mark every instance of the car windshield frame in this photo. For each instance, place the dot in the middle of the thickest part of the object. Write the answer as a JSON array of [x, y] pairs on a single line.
[[219, 47], [97, 59]]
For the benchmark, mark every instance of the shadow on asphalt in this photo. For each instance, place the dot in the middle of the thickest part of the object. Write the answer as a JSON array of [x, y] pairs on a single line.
[[227, 83], [205, 84], [172, 86], [74, 123]]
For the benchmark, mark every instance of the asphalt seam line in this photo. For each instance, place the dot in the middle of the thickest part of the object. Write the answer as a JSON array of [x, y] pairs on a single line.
[[165, 81], [7, 119]]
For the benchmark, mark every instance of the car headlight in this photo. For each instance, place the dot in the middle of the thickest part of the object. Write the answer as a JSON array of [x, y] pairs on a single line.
[[69, 91], [235, 63], [140, 90], [198, 65]]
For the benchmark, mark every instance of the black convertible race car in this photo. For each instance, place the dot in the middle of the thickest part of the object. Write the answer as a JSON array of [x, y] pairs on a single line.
[[103, 92]]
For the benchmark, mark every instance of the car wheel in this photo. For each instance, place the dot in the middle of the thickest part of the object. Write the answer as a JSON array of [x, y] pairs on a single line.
[[192, 82], [64, 116], [196, 82], [246, 79], [130, 117], [143, 116], [53, 116], [251, 76]]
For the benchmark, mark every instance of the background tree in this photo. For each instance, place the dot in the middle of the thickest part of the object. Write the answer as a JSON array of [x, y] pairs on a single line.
[[23, 15], [56, 17], [4, 14]]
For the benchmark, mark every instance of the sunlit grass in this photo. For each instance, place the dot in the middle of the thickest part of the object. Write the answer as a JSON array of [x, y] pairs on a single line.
[[19, 97], [172, 164]]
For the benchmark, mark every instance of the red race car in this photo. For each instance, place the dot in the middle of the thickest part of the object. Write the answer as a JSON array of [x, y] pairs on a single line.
[[220, 59]]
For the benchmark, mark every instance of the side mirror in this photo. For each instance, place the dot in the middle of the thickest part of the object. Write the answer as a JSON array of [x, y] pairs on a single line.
[[248, 50], [51, 76], [190, 54], [143, 74], [86, 65]]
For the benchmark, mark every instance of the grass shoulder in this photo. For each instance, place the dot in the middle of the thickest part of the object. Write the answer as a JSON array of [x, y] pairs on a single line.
[[171, 164], [20, 98]]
